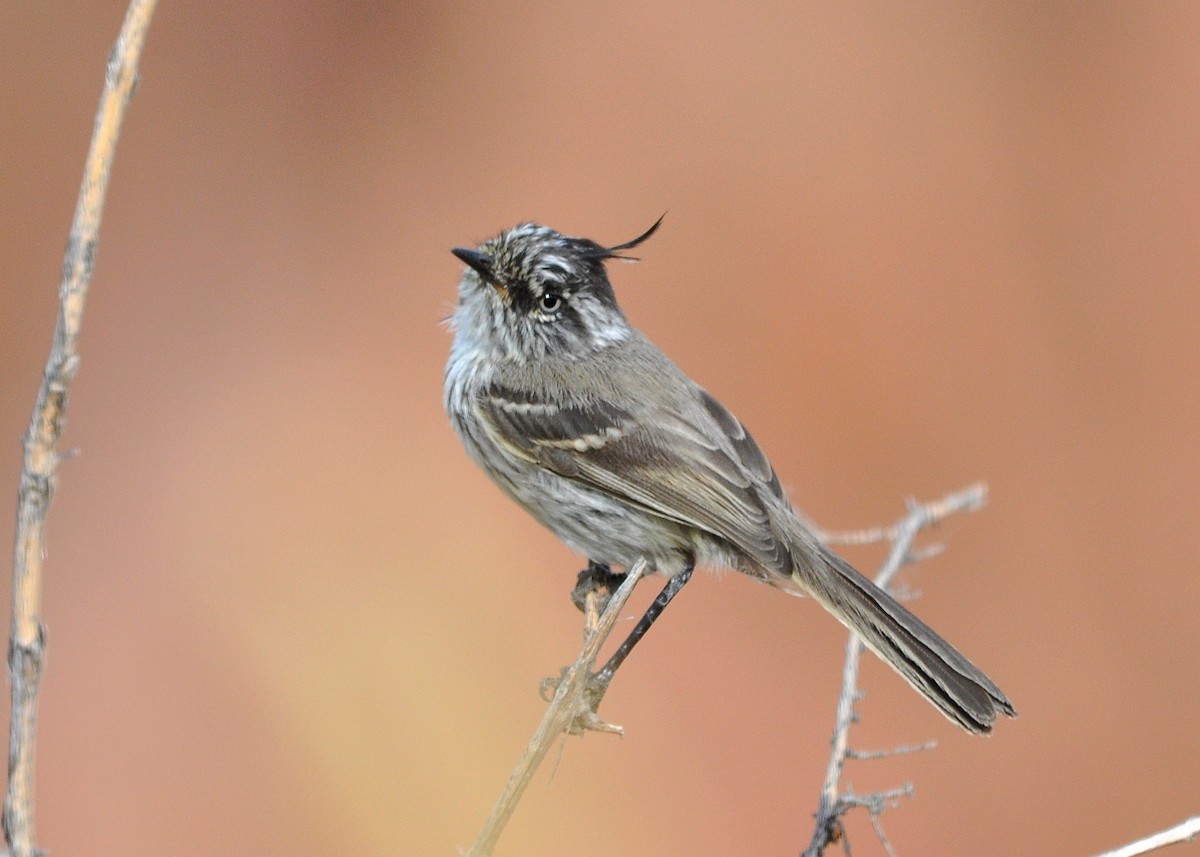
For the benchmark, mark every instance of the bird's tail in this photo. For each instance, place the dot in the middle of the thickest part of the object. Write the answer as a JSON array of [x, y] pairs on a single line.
[[943, 676]]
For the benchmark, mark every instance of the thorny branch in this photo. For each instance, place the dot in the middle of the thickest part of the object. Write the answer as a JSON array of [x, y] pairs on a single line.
[[834, 803], [27, 643]]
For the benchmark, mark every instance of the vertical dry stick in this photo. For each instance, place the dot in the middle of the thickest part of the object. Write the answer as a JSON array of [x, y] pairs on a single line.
[[27, 642], [832, 804]]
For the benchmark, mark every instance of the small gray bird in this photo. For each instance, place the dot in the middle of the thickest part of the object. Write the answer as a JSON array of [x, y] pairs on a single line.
[[597, 434]]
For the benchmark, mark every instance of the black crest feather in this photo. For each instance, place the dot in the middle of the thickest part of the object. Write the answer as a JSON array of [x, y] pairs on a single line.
[[600, 254]]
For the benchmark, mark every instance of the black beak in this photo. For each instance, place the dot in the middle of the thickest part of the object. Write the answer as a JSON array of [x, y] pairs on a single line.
[[480, 262]]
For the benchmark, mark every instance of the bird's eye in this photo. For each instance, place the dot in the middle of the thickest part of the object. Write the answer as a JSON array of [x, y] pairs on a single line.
[[551, 301]]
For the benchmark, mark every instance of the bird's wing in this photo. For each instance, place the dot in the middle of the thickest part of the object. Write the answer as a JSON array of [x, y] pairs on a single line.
[[703, 471]]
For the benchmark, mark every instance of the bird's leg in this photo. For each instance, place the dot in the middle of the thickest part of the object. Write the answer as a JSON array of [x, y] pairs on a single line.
[[595, 586], [602, 679]]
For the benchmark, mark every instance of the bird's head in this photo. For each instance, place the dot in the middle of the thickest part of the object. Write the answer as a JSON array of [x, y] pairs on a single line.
[[532, 292]]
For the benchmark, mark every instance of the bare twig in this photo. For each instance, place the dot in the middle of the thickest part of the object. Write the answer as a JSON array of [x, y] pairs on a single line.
[[570, 711], [1185, 831], [875, 803], [27, 641], [902, 750], [867, 536], [833, 805]]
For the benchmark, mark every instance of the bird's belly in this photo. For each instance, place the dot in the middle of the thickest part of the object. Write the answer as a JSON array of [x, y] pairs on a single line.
[[597, 525]]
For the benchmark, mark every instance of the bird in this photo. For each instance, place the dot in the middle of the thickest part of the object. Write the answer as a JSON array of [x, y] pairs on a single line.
[[595, 432]]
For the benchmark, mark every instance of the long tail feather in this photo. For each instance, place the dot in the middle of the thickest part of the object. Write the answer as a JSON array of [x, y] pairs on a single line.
[[935, 668]]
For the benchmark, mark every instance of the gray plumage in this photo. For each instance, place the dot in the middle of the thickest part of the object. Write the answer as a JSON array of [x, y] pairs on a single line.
[[594, 431]]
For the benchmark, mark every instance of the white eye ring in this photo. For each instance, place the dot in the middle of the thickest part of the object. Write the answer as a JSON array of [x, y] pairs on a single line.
[[551, 301]]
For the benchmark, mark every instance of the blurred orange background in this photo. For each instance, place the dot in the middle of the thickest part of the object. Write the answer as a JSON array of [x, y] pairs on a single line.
[[911, 246]]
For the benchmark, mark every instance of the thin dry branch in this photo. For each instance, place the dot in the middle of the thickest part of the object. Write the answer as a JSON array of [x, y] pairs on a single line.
[[834, 804], [1185, 831], [27, 642], [570, 711]]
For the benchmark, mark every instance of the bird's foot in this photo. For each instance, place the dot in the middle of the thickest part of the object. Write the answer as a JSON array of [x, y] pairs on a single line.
[[594, 586]]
